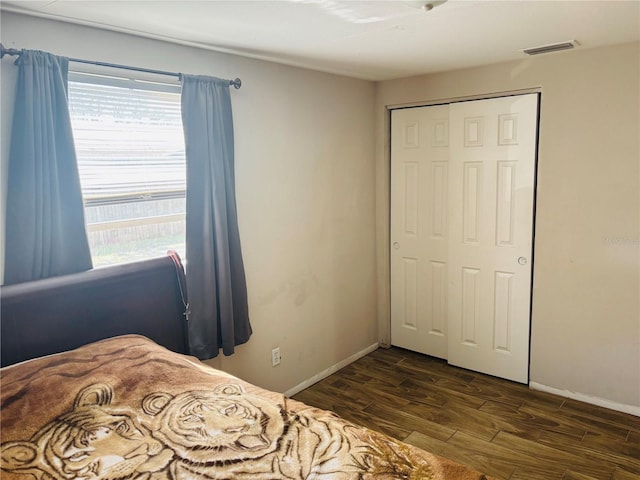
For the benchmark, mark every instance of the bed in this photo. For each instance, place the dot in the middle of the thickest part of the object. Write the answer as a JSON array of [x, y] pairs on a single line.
[[126, 407], [61, 313]]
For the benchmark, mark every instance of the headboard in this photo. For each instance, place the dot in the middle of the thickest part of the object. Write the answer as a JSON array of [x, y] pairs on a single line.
[[61, 313]]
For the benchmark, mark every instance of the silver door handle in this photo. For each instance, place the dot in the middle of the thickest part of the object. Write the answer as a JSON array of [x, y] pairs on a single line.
[[396, 245], [522, 260]]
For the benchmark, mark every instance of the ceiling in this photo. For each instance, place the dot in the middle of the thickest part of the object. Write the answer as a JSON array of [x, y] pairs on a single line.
[[373, 40]]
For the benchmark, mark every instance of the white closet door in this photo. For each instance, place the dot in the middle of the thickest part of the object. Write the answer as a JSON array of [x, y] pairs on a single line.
[[419, 184], [462, 198], [492, 177]]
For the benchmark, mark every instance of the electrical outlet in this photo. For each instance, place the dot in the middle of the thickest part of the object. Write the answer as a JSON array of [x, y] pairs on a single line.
[[275, 356]]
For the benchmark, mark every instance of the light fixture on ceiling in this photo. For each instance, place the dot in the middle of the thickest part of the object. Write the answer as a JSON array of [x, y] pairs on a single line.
[[426, 5], [554, 47], [429, 6]]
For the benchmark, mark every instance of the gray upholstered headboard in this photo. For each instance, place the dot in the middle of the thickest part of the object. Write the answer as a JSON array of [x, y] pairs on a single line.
[[57, 314]]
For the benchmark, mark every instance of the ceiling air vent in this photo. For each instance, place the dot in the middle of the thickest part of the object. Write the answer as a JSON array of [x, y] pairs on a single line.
[[550, 48]]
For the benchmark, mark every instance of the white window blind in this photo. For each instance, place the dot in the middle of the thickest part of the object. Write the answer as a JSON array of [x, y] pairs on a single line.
[[131, 160], [129, 139]]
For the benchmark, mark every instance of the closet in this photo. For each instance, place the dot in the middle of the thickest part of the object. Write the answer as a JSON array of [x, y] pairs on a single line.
[[462, 210]]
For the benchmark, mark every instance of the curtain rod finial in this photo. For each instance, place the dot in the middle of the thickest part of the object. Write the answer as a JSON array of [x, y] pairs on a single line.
[[7, 51], [237, 83]]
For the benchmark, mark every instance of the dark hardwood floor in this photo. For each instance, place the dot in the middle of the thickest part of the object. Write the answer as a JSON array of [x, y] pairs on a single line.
[[498, 427]]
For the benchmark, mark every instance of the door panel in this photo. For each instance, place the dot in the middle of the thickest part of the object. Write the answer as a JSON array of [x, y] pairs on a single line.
[[492, 168], [419, 224]]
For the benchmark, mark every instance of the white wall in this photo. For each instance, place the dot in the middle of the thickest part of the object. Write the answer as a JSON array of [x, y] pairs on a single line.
[[586, 317], [305, 178]]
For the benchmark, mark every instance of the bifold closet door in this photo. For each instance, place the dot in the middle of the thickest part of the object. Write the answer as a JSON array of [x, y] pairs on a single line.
[[480, 273]]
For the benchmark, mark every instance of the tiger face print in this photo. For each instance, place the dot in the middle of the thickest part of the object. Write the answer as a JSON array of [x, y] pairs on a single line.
[[226, 433], [216, 426], [94, 441]]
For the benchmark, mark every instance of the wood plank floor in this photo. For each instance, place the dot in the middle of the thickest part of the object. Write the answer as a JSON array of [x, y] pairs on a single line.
[[498, 427]]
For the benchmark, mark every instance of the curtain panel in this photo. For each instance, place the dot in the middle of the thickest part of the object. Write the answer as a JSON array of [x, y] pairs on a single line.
[[45, 228], [214, 268]]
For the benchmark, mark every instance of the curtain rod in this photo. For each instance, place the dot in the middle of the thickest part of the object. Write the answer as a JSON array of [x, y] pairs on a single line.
[[237, 83]]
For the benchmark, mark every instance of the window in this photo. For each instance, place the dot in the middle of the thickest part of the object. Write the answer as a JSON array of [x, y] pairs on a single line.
[[131, 159]]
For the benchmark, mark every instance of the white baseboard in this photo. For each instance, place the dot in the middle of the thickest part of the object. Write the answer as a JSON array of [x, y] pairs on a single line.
[[601, 402], [332, 369]]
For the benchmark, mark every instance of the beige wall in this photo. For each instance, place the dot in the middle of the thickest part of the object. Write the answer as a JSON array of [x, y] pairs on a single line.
[[305, 187], [586, 317]]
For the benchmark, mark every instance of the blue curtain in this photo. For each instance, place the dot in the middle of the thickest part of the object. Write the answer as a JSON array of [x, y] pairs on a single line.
[[45, 228], [215, 272]]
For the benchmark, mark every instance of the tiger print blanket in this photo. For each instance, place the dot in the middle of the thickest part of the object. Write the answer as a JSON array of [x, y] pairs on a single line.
[[126, 408]]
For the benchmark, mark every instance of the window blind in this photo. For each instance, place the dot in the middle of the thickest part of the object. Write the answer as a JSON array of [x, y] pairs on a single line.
[[129, 139]]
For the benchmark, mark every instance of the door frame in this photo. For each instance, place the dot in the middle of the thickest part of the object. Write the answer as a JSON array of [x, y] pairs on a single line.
[[384, 276]]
